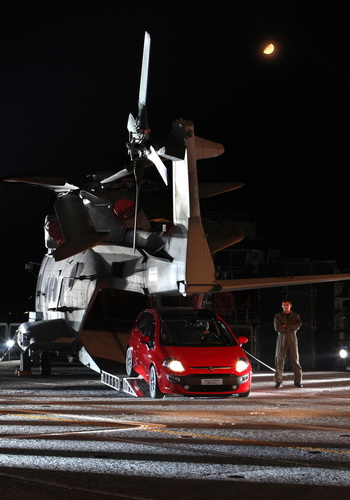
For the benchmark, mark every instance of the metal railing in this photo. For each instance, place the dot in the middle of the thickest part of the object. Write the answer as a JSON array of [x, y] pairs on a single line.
[[9, 329], [7, 333]]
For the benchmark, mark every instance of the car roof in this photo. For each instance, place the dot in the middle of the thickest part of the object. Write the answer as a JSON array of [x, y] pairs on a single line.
[[182, 312]]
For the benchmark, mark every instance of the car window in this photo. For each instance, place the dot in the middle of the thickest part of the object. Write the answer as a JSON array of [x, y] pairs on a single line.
[[146, 324], [198, 333]]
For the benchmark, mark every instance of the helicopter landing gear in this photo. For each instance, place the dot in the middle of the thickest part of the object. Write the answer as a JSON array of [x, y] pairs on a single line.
[[45, 363], [43, 359], [25, 366]]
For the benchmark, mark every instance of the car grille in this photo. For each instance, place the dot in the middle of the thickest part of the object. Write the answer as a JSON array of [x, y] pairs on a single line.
[[211, 368], [192, 383]]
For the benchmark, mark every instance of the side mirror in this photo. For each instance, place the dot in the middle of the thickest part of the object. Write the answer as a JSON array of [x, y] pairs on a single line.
[[144, 340], [242, 340]]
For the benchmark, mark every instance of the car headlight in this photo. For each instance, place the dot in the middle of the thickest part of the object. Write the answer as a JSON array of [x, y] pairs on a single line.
[[241, 365], [174, 365], [343, 353]]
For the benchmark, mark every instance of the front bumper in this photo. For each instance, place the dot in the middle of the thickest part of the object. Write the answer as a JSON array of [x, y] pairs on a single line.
[[209, 383]]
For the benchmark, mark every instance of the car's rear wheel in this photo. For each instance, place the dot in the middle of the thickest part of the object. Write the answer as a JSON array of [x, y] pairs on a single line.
[[153, 384], [129, 365]]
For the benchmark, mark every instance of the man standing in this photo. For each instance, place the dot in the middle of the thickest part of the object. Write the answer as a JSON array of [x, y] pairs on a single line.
[[286, 324]]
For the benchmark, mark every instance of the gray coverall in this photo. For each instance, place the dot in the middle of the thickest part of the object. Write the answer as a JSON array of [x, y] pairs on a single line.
[[287, 340]]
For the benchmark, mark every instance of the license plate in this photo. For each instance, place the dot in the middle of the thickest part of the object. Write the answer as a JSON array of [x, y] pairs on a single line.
[[212, 381]]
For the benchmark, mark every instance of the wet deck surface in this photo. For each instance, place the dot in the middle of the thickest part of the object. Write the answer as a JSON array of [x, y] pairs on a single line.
[[68, 435]]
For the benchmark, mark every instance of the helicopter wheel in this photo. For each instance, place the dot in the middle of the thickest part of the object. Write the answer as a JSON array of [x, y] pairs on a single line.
[[25, 362], [45, 363]]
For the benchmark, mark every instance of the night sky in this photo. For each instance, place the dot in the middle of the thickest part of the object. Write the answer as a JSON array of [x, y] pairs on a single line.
[[70, 76]]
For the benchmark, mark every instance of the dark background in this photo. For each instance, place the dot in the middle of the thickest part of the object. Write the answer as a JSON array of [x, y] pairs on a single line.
[[70, 76]]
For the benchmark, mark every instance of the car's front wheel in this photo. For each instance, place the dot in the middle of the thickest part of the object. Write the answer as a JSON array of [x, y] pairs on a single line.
[[129, 365], [153, 384], [244, 394]]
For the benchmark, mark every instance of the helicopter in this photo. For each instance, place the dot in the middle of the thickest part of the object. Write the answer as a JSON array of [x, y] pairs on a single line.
[[106, 258]]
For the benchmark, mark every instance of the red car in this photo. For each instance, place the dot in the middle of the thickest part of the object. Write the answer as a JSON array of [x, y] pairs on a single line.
[[180, 350]]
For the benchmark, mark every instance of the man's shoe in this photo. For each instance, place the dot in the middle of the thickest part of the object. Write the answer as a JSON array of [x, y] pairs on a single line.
[[300, 386], [278, 386]]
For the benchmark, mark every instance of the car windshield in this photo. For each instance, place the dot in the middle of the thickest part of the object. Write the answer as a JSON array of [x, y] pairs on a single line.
[[201, 332]]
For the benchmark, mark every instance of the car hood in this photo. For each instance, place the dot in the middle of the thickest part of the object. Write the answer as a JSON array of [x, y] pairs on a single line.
[[204, 356]]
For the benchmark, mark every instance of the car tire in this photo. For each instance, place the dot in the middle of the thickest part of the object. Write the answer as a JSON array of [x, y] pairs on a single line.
[[244, 394], [153, 384], [129, 363]]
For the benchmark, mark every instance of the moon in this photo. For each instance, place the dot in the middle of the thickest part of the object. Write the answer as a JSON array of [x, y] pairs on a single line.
[[269, 49]]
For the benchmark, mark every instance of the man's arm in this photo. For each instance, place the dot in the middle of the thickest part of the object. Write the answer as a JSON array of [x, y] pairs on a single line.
[[294, 323], [278, 324]]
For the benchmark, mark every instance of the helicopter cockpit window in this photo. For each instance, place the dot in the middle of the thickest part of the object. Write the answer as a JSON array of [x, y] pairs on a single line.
[[54, 285], [74, 274], [51, 288]]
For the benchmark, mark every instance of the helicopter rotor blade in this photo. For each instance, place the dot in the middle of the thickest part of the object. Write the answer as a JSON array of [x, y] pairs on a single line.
[[56, 184], [132, 124], [156, 160], [142, 113], [139, 145], [116, 176]]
